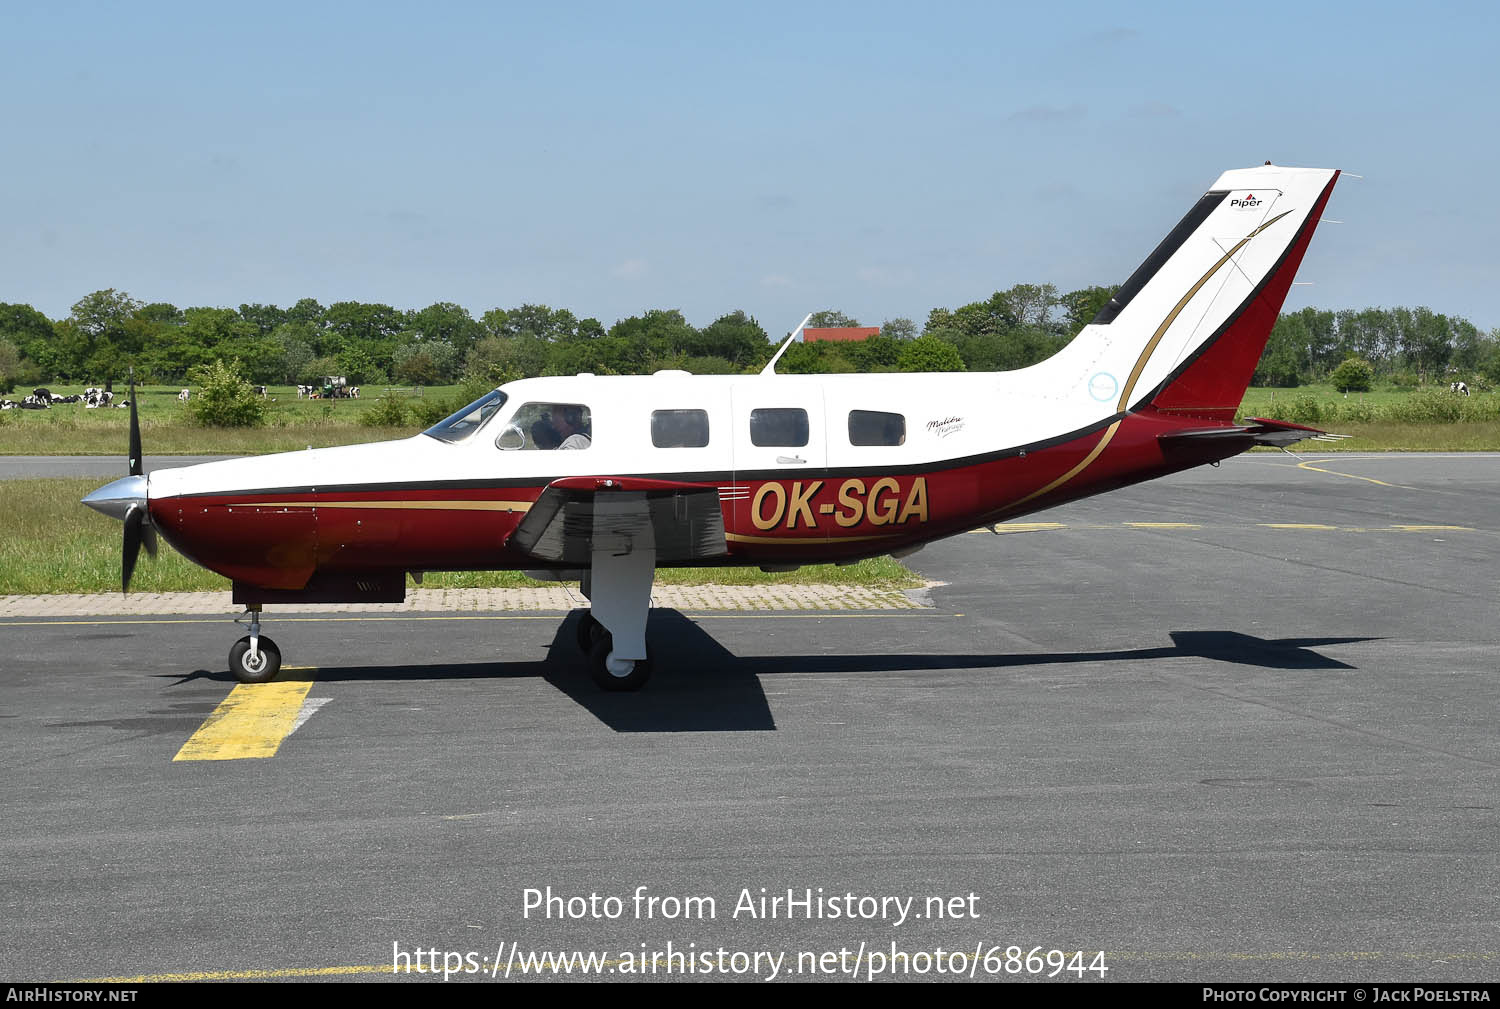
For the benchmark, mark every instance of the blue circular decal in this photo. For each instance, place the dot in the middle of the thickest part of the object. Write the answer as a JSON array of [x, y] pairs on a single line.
[[1103, 386]]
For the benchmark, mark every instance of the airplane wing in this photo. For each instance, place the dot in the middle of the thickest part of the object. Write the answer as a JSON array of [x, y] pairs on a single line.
[[683, 521], [1254, 431]]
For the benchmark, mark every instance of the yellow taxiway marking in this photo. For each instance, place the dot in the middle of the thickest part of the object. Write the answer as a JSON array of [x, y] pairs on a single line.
[[1295, 525], [251, 722], [1005, 528], [1436, 529], [1335, 956], [1163, 525], [1308, 465], [238, 975]]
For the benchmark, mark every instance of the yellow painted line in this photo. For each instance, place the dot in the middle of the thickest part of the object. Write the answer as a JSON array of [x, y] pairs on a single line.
[[251, 722], [1109, 957], [238, 975], [1308, 465], [1295, 525], [1019, 527], [1163, 525], [1436, 529], [1292, 955]]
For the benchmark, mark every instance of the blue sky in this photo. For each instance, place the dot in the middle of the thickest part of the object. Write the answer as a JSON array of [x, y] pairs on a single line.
[[881, 159]]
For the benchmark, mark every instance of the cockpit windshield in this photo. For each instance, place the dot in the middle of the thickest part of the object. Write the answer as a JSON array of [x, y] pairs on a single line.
[[468, 420]]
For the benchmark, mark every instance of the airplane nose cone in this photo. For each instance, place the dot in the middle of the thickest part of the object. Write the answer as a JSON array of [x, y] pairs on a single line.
[[115, 499]]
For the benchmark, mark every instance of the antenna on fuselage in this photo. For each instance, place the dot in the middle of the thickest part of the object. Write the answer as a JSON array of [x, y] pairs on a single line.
[[770, 368]]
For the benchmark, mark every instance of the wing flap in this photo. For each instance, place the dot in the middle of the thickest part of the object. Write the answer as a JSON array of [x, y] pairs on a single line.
[[683, 522]]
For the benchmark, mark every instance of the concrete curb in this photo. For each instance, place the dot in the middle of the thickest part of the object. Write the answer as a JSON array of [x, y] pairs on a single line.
[[551, 598]]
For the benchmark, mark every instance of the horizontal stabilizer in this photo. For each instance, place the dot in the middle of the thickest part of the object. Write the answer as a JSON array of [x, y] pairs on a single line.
[[1254, 431]]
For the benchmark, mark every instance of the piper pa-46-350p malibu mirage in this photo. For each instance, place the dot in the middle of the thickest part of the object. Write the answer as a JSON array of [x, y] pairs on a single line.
[[604, 479]]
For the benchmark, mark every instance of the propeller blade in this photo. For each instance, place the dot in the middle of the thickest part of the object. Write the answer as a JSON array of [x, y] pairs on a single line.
[[132, 547], [136, 465], [148, 538]]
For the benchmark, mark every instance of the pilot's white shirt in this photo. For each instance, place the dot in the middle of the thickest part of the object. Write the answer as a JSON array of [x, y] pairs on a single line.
[[575, 441]]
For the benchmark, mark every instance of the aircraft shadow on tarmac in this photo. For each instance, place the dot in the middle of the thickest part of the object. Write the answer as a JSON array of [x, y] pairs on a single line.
[[699, 686]]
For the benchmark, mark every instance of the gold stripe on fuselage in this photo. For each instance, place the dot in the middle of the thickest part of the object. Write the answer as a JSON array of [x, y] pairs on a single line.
[[1070, 474], [467, 506]]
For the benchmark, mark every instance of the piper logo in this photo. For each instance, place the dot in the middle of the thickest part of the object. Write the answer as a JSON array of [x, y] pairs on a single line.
[[1247, 202]]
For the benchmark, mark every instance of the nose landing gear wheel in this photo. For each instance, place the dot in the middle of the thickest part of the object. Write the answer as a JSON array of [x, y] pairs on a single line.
[[616, 674], [260, 669]]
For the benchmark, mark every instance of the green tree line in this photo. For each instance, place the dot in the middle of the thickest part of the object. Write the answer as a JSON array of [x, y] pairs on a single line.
[[108, 332], [1403, 346]]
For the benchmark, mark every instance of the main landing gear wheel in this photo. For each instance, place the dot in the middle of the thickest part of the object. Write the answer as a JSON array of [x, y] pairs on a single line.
[[617, 674], [262, 668], [589, 631]]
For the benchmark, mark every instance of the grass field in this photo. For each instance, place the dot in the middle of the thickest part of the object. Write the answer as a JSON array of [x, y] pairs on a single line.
[[1393, 437], [167, 427], [1385, 419], [54, 544], [1259, 399]]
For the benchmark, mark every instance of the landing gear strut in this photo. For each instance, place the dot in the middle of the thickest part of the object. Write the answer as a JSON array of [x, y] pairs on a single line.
[[254, 658], [618, 586]]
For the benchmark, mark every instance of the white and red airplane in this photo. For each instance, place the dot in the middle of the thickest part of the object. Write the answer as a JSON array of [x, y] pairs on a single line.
[[604, 479]]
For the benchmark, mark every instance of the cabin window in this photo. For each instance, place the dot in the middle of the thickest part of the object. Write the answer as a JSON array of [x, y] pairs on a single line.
[[548, 426], [872, 427], [679, 428], [782, 427]]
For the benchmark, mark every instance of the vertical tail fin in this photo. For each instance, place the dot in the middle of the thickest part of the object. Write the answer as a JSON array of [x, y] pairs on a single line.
[[1185, 332]]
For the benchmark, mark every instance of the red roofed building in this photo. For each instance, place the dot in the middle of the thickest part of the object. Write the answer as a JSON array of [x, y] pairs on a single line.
[[838, 334]]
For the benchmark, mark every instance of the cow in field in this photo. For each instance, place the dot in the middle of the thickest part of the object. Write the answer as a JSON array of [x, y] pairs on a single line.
[[182, 397], [1459, 388]]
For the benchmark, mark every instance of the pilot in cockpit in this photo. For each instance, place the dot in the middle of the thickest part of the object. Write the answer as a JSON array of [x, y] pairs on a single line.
[[568, 423], [542, 434]]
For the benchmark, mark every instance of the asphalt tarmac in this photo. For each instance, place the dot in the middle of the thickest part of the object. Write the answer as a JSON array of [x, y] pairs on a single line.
[[1236, 725]]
